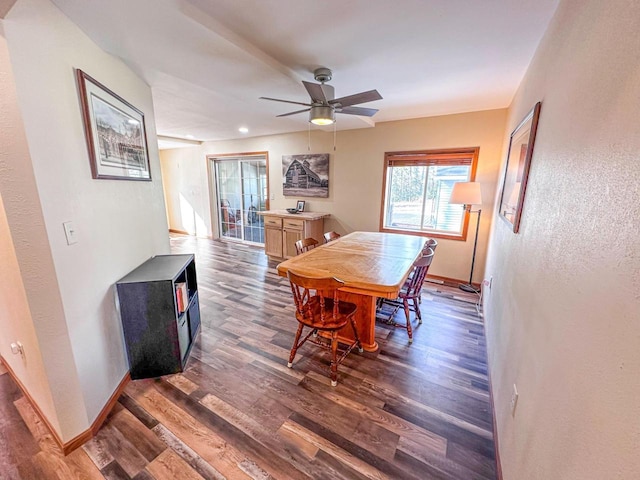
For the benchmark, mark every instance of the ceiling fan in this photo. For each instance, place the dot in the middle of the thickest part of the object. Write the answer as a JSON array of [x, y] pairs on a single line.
[[324, 106]]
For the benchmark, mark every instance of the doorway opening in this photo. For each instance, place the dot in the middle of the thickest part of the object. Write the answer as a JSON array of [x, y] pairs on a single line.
[[242, 190]]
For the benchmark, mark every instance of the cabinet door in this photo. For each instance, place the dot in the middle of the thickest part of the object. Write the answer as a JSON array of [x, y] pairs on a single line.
[[184, 337], [194, 317], [289, 239], [273, 242]]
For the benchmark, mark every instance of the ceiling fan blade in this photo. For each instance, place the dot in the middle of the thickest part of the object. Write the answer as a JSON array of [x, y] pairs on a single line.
[[315, 92], [329, 91], [285, 101], [362, 97], [365, 112], [293, 113]]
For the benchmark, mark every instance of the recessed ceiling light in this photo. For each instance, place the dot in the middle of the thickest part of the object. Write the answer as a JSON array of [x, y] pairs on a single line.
[[243, 130], [190, 137]]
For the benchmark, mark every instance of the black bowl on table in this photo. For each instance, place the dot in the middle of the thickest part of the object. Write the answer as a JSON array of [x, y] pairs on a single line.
[[292, 210]]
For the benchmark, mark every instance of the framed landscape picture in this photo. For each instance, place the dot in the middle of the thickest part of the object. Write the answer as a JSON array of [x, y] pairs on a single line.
[[517, 169], [115, 133], [305, 175]]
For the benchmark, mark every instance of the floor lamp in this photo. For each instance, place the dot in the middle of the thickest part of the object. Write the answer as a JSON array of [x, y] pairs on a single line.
[[468, 194]]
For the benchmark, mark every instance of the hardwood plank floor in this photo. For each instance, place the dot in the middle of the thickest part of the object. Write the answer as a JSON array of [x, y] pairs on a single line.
[[405, 412]]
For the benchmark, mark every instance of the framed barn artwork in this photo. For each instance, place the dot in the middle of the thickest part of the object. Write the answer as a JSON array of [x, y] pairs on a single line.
[[305, 175]]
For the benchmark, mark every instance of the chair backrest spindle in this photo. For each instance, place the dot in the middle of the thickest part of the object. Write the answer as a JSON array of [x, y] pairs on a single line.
[[421, 267], [311, 293], [305, 245], [331, 236]]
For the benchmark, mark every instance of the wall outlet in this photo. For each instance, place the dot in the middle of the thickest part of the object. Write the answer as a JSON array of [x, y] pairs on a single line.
[[514, 400], [17, 348]]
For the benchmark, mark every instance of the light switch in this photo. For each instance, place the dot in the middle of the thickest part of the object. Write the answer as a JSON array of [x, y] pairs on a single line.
[[70, 232]]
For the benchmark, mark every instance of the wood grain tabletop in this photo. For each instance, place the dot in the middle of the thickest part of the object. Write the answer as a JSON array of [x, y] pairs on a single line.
[[370, 263]]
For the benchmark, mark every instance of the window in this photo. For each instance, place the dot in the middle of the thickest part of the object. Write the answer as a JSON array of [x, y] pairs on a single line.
[[416, 191], [241, 185]]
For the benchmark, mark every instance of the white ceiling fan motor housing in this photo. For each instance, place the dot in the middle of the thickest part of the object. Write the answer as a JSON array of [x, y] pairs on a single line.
[[322, 75]]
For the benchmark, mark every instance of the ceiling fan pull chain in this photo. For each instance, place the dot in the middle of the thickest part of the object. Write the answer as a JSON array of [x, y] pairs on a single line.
[[334, 136], [309, 137]]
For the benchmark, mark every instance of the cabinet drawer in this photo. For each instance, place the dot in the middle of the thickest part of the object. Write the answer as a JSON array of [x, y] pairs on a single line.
[[273, 222], [291, 224]]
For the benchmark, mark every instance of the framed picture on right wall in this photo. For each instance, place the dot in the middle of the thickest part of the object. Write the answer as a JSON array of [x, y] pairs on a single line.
[[516, 173]]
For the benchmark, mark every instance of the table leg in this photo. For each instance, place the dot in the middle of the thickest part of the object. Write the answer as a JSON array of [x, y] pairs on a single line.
[[365, 321]]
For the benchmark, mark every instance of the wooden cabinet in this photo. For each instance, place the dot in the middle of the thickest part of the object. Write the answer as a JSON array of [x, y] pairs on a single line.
[[294, 229], [273, 241], [273, 237], [289, 239], [160, 314], [283, 230]]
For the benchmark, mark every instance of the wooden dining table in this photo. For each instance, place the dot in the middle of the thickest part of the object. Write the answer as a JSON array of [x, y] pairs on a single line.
[[371, 264]]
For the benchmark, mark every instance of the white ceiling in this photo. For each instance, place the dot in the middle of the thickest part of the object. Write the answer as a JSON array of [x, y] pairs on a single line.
[[208, 61]]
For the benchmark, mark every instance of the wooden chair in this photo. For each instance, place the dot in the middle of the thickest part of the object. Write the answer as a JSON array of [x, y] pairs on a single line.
[[431, 244], [411, 290], [305, 245], [318, 307], [330, 236]]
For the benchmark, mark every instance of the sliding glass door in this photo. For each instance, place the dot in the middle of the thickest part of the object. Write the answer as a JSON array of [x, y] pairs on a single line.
[[242, 191]]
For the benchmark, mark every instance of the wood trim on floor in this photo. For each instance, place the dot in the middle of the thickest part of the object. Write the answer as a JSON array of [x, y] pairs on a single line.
[[83, 437], [33, 403], [87, 435], [182, 232], [493, 405], [450, 282]]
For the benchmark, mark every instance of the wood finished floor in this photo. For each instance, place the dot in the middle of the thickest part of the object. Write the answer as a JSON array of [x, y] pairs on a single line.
[[237, 412]]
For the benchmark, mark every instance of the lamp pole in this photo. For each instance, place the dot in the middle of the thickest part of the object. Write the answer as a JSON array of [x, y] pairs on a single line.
[[468, 194], [469, 287]]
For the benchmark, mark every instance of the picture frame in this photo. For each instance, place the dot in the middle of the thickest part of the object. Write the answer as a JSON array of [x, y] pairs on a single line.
[[115, 133], [514, 185], [305, 175], [300, 205]]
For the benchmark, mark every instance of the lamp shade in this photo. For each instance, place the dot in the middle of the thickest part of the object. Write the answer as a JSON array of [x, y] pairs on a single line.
[[466, 193], [322, 115]]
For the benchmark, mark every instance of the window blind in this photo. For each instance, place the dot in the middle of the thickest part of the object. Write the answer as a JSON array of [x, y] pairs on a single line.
[[430, 158]]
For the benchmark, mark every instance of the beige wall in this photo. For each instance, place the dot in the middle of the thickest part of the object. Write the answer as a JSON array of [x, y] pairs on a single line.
[[120, 224], [355, 176], [563, 316]]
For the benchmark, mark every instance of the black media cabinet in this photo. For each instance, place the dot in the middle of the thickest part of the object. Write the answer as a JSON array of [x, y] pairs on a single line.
[[157, 335]]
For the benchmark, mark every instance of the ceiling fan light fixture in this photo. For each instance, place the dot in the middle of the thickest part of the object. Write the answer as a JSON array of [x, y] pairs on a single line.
[[322, 115]]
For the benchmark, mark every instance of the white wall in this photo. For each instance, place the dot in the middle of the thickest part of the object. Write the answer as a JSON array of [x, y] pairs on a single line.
[[120, 224], [16, 323], [563, 316], [355, 176]]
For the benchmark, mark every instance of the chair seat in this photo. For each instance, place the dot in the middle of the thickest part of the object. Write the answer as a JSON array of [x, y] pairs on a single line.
[[345, 310]]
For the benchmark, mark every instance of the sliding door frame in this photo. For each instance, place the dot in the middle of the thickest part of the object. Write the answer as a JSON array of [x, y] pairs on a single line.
[[213, 185]]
